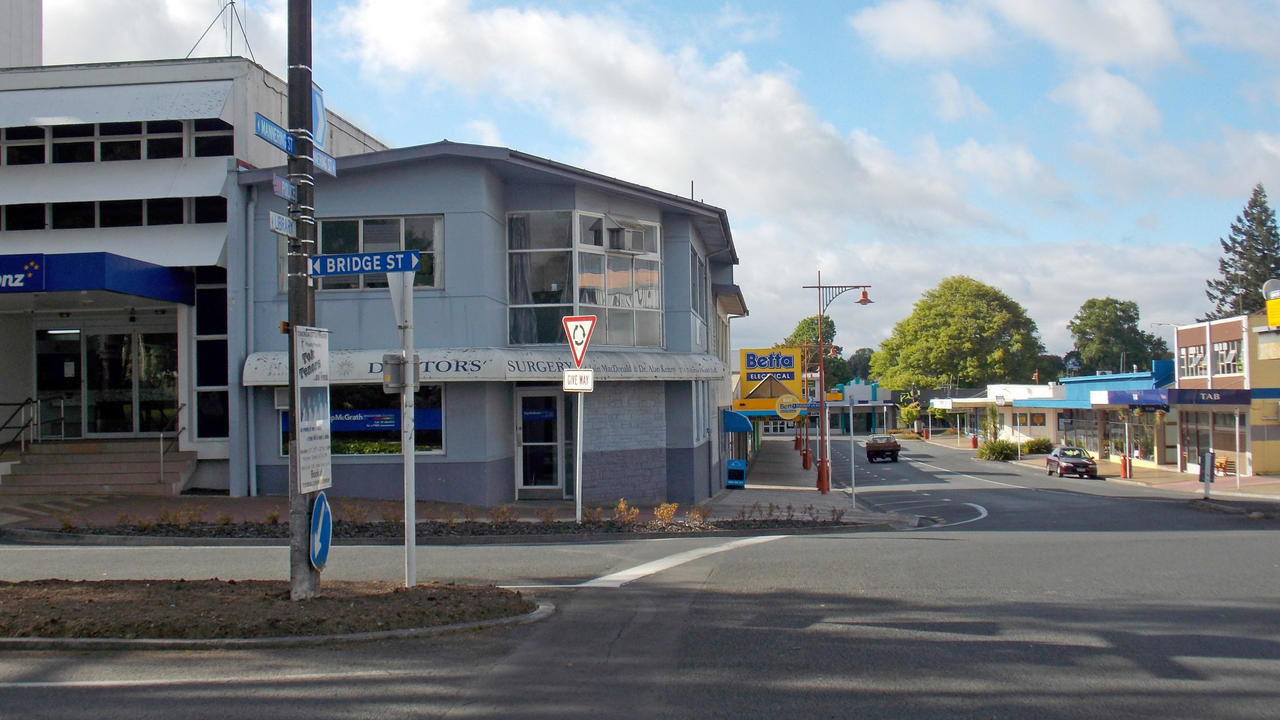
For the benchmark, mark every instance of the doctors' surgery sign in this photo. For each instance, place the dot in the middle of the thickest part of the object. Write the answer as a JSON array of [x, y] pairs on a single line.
[[311, 385]]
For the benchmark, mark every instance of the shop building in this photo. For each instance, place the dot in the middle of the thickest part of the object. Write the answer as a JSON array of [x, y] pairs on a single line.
[[161, 292]]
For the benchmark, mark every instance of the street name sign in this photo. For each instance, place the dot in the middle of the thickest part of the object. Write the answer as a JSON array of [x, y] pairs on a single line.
[[272, 133], [284, 189], [282, 224], [360, 263], [324, 162]]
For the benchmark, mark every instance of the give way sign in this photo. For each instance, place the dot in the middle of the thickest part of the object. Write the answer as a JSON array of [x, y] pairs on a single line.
[[578, 330]]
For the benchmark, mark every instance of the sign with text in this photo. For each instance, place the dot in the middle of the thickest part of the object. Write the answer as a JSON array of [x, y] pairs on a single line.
[[360, 263], [21, 273], [282, 188], [282, 224], [311, 388], [272, 133], [324, 162], [771, 372], [578, 381], [578, 330]]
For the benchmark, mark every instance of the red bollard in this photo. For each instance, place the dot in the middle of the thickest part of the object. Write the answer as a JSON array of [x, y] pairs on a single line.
[[805, 461], [824, 476], [973, 441], [926, 433], [799, 443]]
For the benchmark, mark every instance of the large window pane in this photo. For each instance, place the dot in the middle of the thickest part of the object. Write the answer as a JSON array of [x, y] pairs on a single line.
[[649, 329], [366, 421], [211, 414], [619, 282], [120, 213], [211, 362], [540, 230], [211, 311], [336, 237], [27, 216], [164, 211], [621, 330], [380, 235], [71, 215], [591, 279], [591, 230], [538, 325], [420, 234], [648, 293], [548, 277]]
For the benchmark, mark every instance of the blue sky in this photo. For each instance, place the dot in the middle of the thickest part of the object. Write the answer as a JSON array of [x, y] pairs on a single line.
[[1057, 149]]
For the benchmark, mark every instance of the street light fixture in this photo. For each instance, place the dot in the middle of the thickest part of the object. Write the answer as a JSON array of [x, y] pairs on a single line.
[[827, 293]]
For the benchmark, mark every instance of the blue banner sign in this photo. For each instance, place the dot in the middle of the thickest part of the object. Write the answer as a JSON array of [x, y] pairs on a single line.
[[1210, 397], [21, 273], [1138, 397], [374, 420]]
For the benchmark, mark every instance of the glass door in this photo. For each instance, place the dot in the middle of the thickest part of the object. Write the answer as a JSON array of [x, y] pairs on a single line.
[[539, 439], [58, 383], [109, 392], [157, 381]]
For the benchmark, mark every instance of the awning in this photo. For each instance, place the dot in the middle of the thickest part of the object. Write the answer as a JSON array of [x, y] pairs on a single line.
[[729, 296], [95, 271], [495, 365], [115, 103], [167, 245], [735, 421], [81, 182], [1142, 398]]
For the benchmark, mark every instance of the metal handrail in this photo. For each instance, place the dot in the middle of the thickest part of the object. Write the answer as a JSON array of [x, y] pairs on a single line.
[[25, 427], [177, 434]]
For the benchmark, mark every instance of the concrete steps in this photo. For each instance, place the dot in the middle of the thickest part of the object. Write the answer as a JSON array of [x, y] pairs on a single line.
[[78, 467]]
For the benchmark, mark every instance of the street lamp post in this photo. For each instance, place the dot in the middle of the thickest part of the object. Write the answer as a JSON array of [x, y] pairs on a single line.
[[827, 293]]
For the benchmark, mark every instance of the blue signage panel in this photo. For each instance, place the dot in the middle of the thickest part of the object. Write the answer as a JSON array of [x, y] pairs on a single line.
[[321, 531], [1210, 397], [1138, 397], [324, 162], [272, 133], [21, 273], [360, 263], [375, 420]]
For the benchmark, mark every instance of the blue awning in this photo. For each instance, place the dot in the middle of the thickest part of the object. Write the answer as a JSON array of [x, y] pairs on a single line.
[[734, 421], [95, 271]]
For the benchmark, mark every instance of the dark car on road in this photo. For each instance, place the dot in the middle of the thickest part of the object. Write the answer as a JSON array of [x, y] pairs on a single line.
[[882, 446], [1070, 460]]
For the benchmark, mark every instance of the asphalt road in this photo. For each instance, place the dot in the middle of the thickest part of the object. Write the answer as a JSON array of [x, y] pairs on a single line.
[[1027, 596]]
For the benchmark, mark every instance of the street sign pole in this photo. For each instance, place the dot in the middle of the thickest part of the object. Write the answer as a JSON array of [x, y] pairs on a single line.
[[577, 330], [400, 285], [304, 580]]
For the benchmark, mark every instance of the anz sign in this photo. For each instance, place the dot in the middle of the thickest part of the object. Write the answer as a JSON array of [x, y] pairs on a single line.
[[21, 273]]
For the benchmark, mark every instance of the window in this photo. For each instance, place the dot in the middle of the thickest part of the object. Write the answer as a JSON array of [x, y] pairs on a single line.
[[116, 141], [24, 146], [415, 232], [211, 353], [364, 420], [211, 209], [24, 217], [617, 278], [1226, 357], [114, 213], [1191, 361]]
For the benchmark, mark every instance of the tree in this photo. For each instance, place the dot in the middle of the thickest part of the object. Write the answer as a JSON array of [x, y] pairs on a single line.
[[908, 412], [961, 332], [1049, 367], [1250, 257], [860, 363], [1107, 337], [835, 371]]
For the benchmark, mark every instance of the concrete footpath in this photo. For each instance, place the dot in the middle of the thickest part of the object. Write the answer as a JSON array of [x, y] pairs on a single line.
[[776, 487]]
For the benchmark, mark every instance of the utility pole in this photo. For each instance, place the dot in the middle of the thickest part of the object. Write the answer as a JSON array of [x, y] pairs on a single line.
[[304, 580]]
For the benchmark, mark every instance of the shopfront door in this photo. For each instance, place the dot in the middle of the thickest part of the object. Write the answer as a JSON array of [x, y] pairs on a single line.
[[544, 441], [130, 382]]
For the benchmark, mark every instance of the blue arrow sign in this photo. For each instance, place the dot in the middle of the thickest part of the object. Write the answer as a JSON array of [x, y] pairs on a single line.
[[272, 133], [321, 531], [360, 263]]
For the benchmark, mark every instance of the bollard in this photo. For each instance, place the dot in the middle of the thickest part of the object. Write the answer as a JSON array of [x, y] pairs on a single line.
[[805, 460], [926, 433], [799, 443], [973, 441]]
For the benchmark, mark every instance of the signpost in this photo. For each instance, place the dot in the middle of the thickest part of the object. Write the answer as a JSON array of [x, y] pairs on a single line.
[[400, 266], [578, 329], [321, 531]]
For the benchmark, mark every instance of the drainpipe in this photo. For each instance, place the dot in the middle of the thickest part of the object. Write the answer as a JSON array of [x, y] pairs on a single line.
[[250, 426]]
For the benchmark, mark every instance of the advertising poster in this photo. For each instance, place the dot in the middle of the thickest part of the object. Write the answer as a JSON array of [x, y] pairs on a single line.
[[311, 360]]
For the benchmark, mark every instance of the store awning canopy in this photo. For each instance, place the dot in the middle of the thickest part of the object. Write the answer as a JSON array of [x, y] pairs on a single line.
[[495, 364], [735, 421], [89, 272]]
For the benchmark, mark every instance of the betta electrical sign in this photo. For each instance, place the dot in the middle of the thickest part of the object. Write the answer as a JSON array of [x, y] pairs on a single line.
[[772, 366]]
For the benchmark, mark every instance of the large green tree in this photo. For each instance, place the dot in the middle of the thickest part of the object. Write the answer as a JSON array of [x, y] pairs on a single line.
[[1107, 337], [962, 332], [834, 368], [860, 363], [1250, 257]]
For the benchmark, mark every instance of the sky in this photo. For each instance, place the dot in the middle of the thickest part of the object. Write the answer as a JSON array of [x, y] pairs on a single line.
[[1059, 150]]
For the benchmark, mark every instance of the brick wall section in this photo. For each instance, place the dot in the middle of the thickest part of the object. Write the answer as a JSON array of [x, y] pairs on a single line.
[[639, 476], [625, 416]]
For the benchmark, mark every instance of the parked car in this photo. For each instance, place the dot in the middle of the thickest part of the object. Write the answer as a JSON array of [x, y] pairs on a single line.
[[882, 446], [1070, 460]]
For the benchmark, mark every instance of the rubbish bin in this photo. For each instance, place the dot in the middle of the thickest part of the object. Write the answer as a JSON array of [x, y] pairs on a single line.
[[973, 441], [735, 474], [925, 432]]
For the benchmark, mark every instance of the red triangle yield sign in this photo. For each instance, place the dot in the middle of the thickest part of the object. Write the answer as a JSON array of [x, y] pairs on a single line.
[[578, 330]]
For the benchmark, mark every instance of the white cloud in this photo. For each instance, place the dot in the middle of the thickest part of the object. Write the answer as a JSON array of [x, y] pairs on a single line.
[[924, 30], [1226, 168], [746, 27], [1098, 32], [1009, 170], [483, 132], [160, 29], [1111, 105], [956, 101], [1235, 24]]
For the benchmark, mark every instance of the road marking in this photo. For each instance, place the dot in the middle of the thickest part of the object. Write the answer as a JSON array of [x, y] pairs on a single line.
[[163, 682], [622, 577], [982, 514], [973, 477]]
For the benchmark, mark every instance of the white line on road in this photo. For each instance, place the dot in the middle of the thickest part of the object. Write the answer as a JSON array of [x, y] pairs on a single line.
[[972, 477], [245, 680], [622, 577]]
